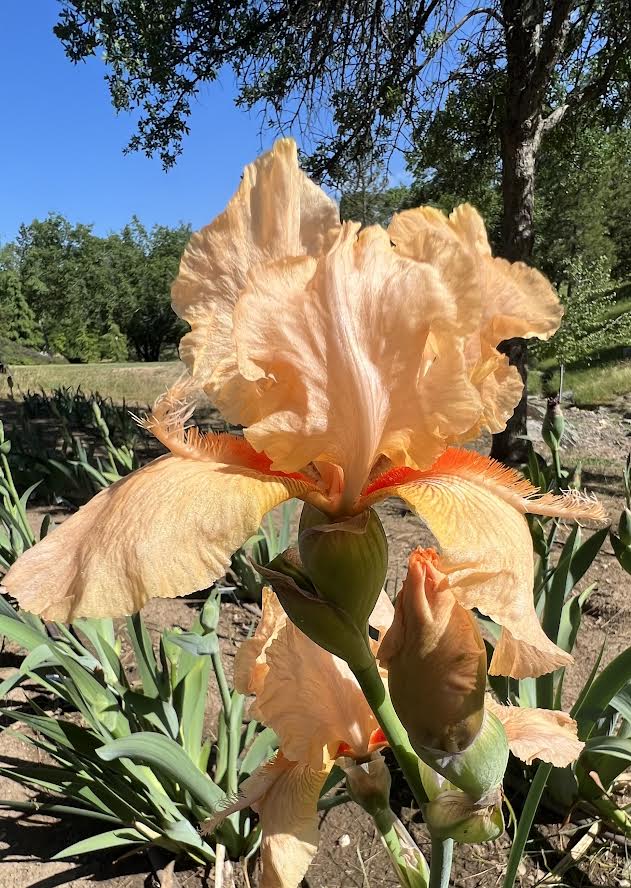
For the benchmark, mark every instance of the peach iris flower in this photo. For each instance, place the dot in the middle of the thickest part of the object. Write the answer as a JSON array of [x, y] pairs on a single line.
[[355, 360], [313, 702]]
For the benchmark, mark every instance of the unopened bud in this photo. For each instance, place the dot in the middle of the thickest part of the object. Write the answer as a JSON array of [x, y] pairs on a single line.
[[454, 815], [436, 661], [345, 560], [368, 783], [553, 426], [325, 623]]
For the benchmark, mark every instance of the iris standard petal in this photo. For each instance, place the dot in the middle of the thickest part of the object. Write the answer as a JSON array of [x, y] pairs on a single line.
[[544, 734], [276, 212], [168, 529], [357, 355], [514, 301], [475, 508]]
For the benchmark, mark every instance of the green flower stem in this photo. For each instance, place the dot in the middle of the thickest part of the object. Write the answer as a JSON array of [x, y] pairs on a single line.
[[329, 802], [222, 683], [440, 864], [384, 821], [379, 701]]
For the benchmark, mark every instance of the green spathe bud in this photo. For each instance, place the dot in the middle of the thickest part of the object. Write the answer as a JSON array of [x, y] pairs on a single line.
[[345, 560], [480, 768], [454, 815], [327, 625], [553, 426]]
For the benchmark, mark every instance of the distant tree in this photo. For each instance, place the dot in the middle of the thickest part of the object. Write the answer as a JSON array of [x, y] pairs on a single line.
[[367, 195], [17, 321], [93, 297], [582, 205], [148, 320], [366, 73]]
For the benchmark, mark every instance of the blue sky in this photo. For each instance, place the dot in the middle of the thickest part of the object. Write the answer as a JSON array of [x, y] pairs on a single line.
[[61, 141]]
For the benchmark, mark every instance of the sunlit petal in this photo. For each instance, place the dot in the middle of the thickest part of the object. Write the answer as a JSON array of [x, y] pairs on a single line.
[[544, 734], [475, 508], [277, 211], [515, 301], [358, 355], [168, 529]]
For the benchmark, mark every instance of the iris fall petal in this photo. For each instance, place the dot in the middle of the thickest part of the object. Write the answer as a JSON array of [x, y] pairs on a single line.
[[285, 795], [475, 508], [168, 529], [544, 734]]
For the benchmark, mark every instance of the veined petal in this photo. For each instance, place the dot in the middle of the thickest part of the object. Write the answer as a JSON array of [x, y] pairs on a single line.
[[277, 211], [371, 361], [166, 530], [285, 795], [308, 696], [544, 734], [515, 301], [475, 508]]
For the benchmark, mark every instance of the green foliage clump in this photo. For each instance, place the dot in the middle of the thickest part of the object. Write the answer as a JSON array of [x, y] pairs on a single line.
[[587, 326], [94, 298]]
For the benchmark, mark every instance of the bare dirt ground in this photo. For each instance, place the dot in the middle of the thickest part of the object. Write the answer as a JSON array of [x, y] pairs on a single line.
[[350, 852]]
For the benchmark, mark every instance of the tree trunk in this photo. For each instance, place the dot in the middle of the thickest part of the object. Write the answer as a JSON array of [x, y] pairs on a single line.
[[520, 132], [518, 194]]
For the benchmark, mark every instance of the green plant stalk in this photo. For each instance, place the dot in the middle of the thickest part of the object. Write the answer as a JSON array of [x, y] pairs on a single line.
[[379, 701], [525, 822], [440, 864], [385, 821], [234, 742], [222, 683], [330, 802]]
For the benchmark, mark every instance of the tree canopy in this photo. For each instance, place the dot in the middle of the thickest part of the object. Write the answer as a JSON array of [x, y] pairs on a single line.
[[89, 298], [363, 78]]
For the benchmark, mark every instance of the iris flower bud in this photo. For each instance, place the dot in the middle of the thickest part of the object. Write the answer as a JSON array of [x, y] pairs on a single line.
[[436, 661], [368, 783], [330, 586], [553, 426], [328, 625], [454, 815], [345, 560]]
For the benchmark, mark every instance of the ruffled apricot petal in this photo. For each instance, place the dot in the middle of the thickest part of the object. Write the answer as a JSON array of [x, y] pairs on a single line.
[[285, 795], [277, 211], [168, 529], [308, 696], [514, 301], [475, 508], [371, 363], [546, 734]]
